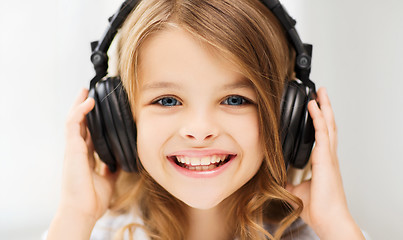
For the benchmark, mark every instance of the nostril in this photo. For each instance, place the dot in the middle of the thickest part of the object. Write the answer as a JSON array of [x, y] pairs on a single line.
[[208, 137], [190, 136]]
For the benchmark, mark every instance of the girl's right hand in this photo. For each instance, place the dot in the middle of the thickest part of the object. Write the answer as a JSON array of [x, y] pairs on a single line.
[[85, 191]]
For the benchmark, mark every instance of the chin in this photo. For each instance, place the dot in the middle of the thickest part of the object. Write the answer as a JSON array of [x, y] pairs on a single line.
[[202, 205], [201, 201]]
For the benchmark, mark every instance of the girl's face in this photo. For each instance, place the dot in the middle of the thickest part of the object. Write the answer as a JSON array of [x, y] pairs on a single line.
[[196, 120]]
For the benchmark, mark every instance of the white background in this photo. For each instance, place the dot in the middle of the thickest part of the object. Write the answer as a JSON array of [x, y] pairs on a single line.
[[44, 61]]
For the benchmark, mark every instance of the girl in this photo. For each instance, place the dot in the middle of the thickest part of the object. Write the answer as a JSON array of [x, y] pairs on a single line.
[[204, 82]]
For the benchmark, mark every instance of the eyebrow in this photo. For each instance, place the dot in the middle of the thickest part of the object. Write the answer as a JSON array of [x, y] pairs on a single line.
[[160, 85], [240, 83]]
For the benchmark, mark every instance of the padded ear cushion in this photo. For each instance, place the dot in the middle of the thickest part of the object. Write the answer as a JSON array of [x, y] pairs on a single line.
[[97, 130], [127, 128], [292, 116], [120, 142], [112, 127], [287, 103], [306, 136], [111, 135]]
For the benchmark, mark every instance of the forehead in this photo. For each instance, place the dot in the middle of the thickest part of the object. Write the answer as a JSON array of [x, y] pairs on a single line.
[[172, 57]]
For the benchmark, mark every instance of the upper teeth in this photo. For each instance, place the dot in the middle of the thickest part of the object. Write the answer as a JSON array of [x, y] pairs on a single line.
[[196, 161]]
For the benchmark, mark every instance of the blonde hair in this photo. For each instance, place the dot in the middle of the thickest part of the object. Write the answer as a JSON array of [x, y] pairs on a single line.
[[250, 37]]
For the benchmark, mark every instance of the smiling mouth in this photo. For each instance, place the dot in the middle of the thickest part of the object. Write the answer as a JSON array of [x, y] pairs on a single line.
[[207, 163]]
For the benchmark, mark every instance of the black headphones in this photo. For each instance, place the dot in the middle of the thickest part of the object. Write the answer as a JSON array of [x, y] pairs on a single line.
[[111, 123]]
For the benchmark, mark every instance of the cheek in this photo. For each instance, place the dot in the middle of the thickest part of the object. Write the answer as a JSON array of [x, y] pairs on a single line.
[[244, 130], [247, 134], [152, 133]]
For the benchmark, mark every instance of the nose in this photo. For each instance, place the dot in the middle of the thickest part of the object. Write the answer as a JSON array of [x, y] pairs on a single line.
[[199, 126]]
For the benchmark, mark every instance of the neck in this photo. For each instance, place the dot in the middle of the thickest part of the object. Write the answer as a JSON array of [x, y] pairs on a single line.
[[208, 224]]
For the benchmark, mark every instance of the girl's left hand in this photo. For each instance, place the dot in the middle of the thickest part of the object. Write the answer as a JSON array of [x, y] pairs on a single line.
[[325, 205]]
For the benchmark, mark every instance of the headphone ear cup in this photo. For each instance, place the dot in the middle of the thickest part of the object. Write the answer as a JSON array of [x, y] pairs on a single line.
[[306, 136], [295, 127], [127, 127], [96, 126], [107, 124]]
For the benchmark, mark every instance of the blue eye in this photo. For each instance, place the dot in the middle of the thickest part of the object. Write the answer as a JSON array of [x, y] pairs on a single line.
[[167, 102], [235, 100]]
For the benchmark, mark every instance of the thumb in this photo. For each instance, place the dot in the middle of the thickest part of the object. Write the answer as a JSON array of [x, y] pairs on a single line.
[[107, 174], [302, 191], [289, 187]]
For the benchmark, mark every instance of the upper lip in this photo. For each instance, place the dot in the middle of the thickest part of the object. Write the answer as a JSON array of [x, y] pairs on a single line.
[[201, 153]]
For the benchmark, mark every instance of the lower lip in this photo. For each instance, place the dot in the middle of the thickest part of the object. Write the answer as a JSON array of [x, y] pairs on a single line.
[[202, 174]]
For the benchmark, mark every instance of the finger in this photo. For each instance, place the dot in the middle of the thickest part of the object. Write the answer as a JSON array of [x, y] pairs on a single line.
[[90, 147], [83, 124], [76, 148], [320, 125], [328, 114], [76, 120], [302, 191], [107, 174], [82, 95], [290, 188], [322, 156]]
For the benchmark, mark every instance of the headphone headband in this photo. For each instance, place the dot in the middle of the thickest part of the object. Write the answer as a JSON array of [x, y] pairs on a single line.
[[99, 56]]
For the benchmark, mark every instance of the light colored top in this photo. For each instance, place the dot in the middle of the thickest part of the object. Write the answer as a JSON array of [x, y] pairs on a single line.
[[107, 226]]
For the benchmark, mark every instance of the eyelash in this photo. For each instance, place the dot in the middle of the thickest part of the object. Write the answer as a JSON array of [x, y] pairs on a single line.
[[158, 101]]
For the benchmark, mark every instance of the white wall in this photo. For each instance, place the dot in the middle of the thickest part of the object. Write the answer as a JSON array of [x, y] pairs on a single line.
[[44, 61], [358, 57]]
